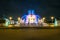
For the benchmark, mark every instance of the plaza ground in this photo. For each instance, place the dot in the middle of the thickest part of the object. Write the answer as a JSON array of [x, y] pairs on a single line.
[[30, 34]]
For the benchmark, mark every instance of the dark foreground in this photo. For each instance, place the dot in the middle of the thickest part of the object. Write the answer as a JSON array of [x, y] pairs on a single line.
[[30, 34]]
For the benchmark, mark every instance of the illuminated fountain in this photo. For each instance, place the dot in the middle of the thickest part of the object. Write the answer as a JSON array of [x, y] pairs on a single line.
[[7, 22], [30, 18], [55, 23]]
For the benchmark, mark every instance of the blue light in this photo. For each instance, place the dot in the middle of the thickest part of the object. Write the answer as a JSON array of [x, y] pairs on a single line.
[[31, 12], [32, 16]]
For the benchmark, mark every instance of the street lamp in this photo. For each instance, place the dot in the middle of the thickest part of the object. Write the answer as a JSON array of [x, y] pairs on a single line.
[[52, 18], [10, 18], [43, 18]]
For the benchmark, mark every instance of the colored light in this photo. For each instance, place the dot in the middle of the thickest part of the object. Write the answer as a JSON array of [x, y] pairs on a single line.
[[43, 18], [31, 17], [55, 23], [7, 22], [18, 18], [52, 17], [10, 18], [10, 26]]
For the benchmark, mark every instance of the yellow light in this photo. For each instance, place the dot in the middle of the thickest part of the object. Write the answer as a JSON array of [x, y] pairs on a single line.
[[52, 25], [10, 26], [44, 18], [52, 17], [18, 18], [31, 18], [10, 18]]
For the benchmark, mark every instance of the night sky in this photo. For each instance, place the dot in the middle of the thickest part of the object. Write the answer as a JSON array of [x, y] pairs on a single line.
[[17, 8]]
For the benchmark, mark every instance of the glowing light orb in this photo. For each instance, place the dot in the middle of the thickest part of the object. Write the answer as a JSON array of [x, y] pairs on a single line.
[[10, 18], [18, 18]]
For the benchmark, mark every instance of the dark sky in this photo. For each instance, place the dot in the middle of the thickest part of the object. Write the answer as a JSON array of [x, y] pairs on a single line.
[[17, 8]]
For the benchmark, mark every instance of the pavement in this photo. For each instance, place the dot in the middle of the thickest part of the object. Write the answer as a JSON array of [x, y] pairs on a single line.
[[29, 34]]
